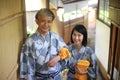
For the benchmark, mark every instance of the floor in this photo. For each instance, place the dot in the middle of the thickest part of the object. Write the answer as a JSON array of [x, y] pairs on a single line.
[[64, 74]]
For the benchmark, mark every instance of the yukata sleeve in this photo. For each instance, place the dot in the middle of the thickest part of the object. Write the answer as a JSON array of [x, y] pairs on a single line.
[[93, 68], [26, 63], [68, 63], [64, 64], [60, 43]]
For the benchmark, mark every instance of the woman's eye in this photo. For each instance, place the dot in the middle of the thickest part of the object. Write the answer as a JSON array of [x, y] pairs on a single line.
[[79, 35], [74, 34]]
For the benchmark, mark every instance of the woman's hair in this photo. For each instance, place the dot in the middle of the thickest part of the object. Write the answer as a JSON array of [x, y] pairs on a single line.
[[81, 29], [46, 11]]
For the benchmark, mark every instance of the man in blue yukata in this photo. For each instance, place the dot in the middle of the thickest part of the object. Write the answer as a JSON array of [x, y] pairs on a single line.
[[39, 59]]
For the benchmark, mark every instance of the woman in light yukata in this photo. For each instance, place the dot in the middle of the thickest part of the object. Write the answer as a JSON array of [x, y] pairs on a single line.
[[39, 58], [80, 51]]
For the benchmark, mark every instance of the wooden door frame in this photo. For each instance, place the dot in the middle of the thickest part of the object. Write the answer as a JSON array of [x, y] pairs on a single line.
[[113, 50]]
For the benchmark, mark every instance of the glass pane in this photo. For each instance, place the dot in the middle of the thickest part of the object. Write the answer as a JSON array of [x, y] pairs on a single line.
[[101, 9]]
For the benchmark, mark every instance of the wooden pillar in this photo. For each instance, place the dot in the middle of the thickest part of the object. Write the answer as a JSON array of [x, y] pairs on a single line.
[[47, 3]]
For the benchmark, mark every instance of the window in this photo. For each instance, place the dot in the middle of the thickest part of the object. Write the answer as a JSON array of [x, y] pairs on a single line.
[[103, 13], [31, 9]]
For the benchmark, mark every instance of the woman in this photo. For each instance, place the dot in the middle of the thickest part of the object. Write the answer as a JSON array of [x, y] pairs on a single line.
[[80, 51]]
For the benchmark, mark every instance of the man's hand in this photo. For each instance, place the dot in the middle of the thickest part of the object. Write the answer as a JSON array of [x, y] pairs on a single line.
[[53, 61]]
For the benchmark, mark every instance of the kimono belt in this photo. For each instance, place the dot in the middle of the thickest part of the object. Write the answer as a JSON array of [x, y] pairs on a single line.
[[52, 75], [71, 70]]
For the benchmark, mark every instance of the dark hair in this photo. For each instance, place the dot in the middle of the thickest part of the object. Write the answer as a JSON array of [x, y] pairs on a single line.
[[46, 11], [81, 29]]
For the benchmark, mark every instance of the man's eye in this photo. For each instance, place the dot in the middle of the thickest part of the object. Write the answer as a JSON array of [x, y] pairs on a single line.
[[49, 21]]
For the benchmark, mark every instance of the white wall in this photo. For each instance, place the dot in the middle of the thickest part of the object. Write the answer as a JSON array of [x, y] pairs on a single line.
[[102, 40], [30, 13], [76, 5]]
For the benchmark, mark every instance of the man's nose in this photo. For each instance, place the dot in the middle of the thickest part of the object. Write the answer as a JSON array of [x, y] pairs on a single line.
[[46, 22]]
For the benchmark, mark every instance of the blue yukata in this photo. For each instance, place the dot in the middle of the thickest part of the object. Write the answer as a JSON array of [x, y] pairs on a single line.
[[85, 53], [35, 54]]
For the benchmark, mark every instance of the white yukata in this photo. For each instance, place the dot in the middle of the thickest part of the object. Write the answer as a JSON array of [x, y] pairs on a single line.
[[35, 54]]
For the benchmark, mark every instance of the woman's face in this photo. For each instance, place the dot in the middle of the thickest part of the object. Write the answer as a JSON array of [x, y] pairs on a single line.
[[77, 38]]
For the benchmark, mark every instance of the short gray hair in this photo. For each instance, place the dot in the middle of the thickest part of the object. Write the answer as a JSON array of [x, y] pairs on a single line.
[[46, 11]]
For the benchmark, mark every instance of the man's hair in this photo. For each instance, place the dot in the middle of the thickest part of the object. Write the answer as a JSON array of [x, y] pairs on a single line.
[[46, 11], [81, 29]]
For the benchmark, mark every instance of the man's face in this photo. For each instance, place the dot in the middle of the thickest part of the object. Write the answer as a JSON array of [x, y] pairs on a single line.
[[44, 23]]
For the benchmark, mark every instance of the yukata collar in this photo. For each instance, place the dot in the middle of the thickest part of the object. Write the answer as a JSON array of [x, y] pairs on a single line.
[[82, 49], [80, 52], [39, 34]]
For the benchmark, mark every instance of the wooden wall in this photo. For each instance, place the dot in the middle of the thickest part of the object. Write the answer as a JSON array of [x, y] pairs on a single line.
[[114, 59], [114, 11], [68, 26], [11, 36]]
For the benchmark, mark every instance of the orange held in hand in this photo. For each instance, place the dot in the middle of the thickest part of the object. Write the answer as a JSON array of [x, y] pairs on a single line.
[[83, 66], [64, 53]]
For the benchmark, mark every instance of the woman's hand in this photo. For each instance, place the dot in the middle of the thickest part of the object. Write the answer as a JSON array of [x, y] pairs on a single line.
[[77, 70], [53, 61]]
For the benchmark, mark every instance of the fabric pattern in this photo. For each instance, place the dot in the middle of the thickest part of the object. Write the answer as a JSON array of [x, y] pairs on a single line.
[[85, 53], [35, 54]]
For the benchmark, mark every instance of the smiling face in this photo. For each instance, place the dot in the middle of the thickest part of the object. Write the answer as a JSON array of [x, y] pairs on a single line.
[[79, 35], [44, 22], [77, 38]]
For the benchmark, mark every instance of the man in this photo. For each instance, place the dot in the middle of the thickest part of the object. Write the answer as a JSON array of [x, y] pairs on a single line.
[[39, 58]]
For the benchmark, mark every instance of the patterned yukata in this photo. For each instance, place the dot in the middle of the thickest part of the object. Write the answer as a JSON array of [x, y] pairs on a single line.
[[35, 54], [85, 53]]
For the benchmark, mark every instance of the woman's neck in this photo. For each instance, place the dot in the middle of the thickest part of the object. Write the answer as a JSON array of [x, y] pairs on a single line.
[[78, 47]]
